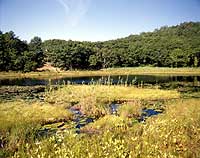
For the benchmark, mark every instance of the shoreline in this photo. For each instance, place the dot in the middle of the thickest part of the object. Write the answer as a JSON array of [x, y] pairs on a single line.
[[157, 71]]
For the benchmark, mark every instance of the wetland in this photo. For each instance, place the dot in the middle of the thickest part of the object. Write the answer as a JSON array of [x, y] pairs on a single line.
[[40, 114]]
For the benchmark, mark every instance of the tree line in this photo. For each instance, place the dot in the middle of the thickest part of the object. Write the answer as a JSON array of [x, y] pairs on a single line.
[[175, 46]]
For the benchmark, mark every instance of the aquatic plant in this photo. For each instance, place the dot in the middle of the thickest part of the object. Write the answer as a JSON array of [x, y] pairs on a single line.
[[172, 134]]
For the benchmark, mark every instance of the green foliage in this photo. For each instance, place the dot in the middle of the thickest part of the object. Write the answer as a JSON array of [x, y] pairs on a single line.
[[67, 55], [35, 48], [17, 55], [176, 46], [178, 58]]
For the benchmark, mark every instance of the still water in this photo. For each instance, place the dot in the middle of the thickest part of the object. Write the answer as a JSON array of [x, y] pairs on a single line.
[[131, 79]]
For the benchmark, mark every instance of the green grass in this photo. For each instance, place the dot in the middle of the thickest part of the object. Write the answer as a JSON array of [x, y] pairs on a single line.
[[13, 112], [107, 93], [20, 120], [131, 109], [104, 72], [107, 122], [172, 134], [93, 100]]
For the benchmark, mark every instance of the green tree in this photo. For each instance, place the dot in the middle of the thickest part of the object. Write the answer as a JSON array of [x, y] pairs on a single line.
[[178, 58], [35, 48]]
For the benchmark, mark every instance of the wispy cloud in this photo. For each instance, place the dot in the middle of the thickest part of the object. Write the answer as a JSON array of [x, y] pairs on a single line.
[[75, 10]]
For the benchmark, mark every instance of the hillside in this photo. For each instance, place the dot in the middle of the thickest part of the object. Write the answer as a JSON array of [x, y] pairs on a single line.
[[175, 46]]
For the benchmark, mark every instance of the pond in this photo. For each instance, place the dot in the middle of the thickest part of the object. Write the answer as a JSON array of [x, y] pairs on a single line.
[[80, 120], [131, 79]]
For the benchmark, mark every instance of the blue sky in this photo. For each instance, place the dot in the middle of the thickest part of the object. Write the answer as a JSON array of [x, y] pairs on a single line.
[[92, 20]]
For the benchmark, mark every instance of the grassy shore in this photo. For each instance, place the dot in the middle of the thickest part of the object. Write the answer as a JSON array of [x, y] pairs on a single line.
[[104, 72], [19, 120], [174, 133]]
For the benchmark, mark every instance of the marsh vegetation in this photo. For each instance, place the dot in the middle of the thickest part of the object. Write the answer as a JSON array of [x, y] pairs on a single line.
[[101, 120]]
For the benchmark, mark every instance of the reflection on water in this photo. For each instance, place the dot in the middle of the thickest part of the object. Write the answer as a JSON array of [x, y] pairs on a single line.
[[80, 119], [144, 115], [113, 108], [148, 113], [132, 79]]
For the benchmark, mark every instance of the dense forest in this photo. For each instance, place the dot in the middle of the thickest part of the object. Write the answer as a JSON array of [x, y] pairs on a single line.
[[17, 55], [175, 46]]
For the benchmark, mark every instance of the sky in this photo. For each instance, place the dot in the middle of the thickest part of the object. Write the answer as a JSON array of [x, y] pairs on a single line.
[[92, 20]]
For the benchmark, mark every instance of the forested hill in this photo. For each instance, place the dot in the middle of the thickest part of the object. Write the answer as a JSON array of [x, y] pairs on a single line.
[[176, 46]]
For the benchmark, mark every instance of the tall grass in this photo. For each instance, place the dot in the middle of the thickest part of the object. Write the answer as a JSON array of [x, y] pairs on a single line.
[[172, 134], [20, 120], [131, 109], [94, 99], [106, 93]]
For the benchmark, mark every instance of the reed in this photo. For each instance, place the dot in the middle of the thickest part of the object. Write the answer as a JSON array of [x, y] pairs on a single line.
[[172, 134]]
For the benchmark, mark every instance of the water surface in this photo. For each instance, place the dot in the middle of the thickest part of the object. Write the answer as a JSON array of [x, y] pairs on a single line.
[[132, 79]]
